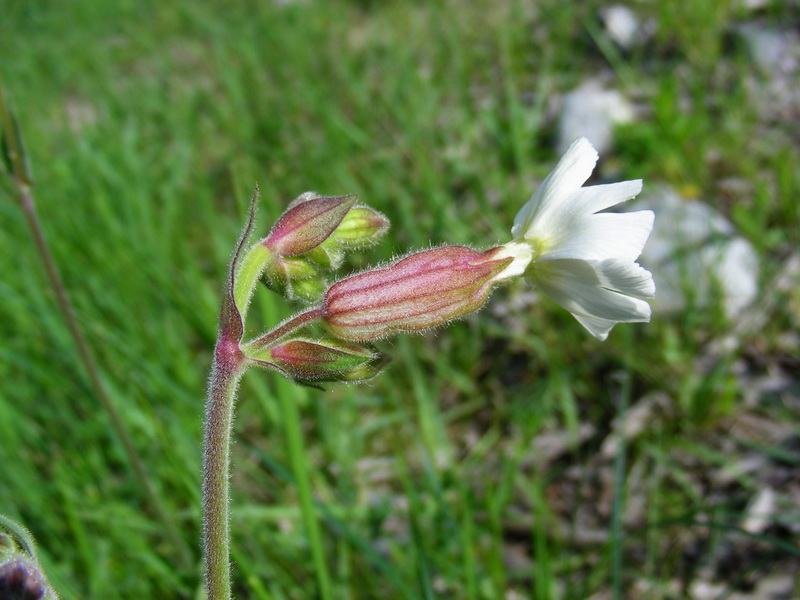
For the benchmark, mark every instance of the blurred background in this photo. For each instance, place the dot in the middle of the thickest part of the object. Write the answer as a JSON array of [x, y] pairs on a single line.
[[508, 456]]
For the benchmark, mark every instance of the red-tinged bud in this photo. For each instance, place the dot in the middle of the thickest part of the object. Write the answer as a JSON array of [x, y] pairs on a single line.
[[323, 360], [304, 197], [307, 224], [418, 292]]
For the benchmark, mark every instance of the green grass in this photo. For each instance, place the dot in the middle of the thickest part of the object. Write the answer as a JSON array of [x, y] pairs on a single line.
[[148, 125]]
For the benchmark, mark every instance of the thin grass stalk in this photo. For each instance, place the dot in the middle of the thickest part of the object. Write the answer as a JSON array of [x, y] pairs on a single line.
[[24, 188], [470, 564], [618, 505], [294, 435]]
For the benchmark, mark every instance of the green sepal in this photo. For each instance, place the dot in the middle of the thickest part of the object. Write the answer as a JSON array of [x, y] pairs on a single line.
[[310, 290], [257, 260], [327, 256], [297, 267], [295, 277]]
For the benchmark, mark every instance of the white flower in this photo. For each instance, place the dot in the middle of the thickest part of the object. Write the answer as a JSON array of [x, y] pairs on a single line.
[[582, 258]]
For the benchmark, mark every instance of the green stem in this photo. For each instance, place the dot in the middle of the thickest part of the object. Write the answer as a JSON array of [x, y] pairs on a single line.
[[618, 504], [294, 434], [226, 372], [25, 196]]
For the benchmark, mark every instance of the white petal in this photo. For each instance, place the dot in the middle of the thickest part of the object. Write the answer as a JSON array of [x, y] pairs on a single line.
[[522, 255], [595, 290], [626, 277], [595, 198], [602, 236], [599, 328], [570, 174]]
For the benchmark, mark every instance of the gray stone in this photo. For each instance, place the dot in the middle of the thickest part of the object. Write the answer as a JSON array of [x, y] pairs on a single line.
[[622, 25], [771, 49], [776, 55], [591, 111], [695, 256]]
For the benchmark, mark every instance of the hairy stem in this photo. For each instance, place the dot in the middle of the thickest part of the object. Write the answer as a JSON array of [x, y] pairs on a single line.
[[26, 199], [230, 363], [227, 370]]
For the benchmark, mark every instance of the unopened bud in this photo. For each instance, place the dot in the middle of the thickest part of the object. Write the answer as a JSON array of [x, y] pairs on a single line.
[[361, 227], [295, 267], [418, 292], [20, 579], [365, 371], [307, 224], [294, 276], [304, 197], [323, 360]]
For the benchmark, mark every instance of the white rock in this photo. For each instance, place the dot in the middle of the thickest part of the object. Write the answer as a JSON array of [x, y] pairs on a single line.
[[592, 111], [622, 25], [771, 49], [760, 511], [776, 54], [706, 590], [695, 256], [735, 265], [753, 4]]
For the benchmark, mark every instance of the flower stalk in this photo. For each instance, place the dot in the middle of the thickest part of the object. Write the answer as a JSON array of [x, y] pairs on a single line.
[[580, 256], [229, 365], [226, 372]]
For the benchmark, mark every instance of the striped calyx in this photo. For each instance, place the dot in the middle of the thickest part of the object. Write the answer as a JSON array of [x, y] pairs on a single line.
[[418, 292]]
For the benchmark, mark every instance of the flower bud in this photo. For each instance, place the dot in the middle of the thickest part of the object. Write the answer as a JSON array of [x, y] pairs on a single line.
[[21, 575], [294, 276], [296, 267], [307, 223], [323, 360], [418, 292], [20, 579], [362, 226], [366, 370], [304, 197]]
